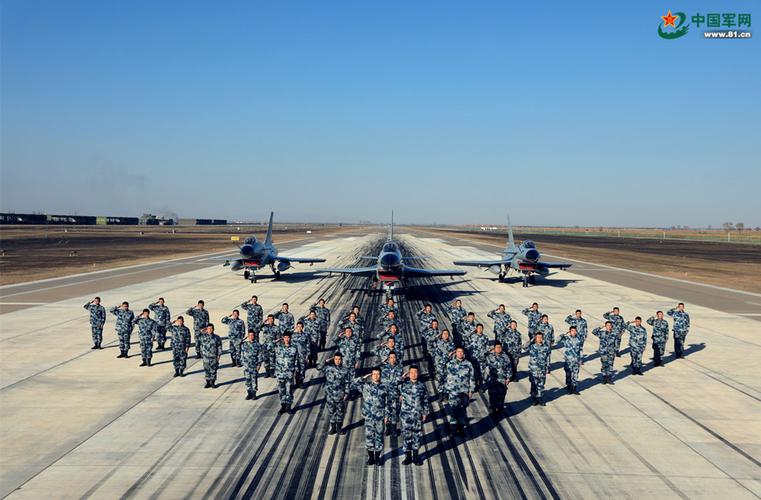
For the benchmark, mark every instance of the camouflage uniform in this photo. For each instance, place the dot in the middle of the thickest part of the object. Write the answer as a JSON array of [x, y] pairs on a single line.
[[637, 344], [200, 320], [538, 364], [572, 356], [251, 355], [125, 322], [479, 348], [386, 323], [441, 351], [391, 377], [607, 349], [414, 406], [97, 320], [146, 331], [429, 338], [269, 337], [424, 318], [619, 325], [163, 320], [235, 336], [211, 350], [383, 309], [382, 352], [312, 329], [457, 316], [581, 330], [285, 321], [337, 384], [534, 317], [323, 314], [501, 322], [549, 338], [467, 330], [512, 342], [374, 408], [499, 372], [460, 382], [180, 342], [660, 337], [254, 316], [357, 329], [350, 351], [286, 364], [301, 341], [681, 328]]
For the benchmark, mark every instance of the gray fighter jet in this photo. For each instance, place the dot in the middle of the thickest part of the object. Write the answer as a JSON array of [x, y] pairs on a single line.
[[255, 255], [522, 259], [391, 269]]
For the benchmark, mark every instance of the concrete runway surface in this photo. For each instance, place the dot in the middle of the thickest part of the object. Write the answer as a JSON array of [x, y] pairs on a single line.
[[78, 423]]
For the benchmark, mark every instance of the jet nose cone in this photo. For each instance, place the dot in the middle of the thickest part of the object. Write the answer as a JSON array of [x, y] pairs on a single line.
[[532, 255], [389, 260]]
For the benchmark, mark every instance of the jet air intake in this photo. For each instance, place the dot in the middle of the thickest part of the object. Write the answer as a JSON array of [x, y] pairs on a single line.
[[532, 255], [247, 250]]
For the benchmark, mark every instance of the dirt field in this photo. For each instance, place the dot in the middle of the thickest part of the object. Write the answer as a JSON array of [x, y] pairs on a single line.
[[734, 266], [38, 252]]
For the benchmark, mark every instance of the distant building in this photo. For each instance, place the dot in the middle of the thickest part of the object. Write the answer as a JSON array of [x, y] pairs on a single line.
[[156, 220]]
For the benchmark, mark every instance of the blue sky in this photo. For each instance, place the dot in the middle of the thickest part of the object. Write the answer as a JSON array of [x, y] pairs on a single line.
[[451, 112]]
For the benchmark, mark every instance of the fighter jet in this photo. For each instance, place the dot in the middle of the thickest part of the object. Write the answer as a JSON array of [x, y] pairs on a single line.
[[523, 259], [255, 255], [391, 269]]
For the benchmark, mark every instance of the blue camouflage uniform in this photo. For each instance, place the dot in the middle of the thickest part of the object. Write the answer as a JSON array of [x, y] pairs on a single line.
[[499, 372], [350, 348], [681, 328], [549, 338], [285, 321], [254, 316], [457, 316], [637, 344], [534, 317], [337, 384], [312, 329], [501, 322], [180, 344], [414, 407], [660, 337], [441, 356], [286, 364], [125, 322], [538, 364], [211, 350], [301, 341], [460, 382], [424, 318], [572, 356], [391, 377], [97, 320], [235, 336], [512, 342], [357, 329], [374, 407], [467, 330], [323, 314], [269, 338], [200, 320], [581, 330], [607, 349], [478, 349], [146, 331], [163, 320], [251, 355], [619, 325]]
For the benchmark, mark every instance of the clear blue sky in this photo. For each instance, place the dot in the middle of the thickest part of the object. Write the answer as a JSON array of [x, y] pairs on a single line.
[[452, 112]]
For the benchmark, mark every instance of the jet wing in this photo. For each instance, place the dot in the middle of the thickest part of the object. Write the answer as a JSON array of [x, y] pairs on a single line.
[[414, 272], [354, 271], [302, 260], [483, 263]]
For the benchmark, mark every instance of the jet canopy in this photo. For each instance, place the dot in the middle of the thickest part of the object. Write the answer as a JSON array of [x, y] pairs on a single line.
[[250, 241], [390, 247], [529, 244]]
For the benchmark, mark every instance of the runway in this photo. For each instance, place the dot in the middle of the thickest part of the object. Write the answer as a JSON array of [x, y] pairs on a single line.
[[81, 423]]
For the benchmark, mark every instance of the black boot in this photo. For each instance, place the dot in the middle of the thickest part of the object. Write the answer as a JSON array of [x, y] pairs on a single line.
[[407, 458], [182, 372], [568, 389], [342, 428], [253, 395], [148, 361], [605, 380], [332, 429], [576, 390], [370, 458], [208, 384], [378, 458], [541, 401], [291, 410], [214, 384], [94, 346], [281, 410], [535, 400], [176, 373], [416, 458], [126, 354], [248, 395], [121, 353], [610, 380], [143, 363]]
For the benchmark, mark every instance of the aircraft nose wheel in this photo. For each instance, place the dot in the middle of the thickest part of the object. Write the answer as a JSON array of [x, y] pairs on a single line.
[[246, 275], [277, 275], [525, 281]]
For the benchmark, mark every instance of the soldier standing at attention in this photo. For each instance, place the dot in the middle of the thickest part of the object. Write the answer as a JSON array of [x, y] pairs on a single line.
[[200, 320], [512, 343], [374, 402], [425, 316], [533, 315], [388, 320], [549, 336], [501, 319], [498, 376], [146, 330], [443, 350], [125, 322], [619, 325], [352, 322], [323, 314], [430, 334], [681, 328], [457, 314], [97, 320], [637, 343], [312, 329], [286, 364], [300, 339], [211, 350], [580, 323], [415, 407], [180, 345], [270, 337], [337, 383], [660, 336], [459, 387], [391, 377], [607, 350], [350, 346], [251, 354], [285, 320], [479, 348], [538, 364], [255, 313], [467, 329], [236, 332], [571, 343], [163, 318], [388, 306]]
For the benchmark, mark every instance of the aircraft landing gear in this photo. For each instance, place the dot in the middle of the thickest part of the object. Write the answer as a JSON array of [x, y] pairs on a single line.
[[525, 280], [277, 275], [532, 279], [501, 277]]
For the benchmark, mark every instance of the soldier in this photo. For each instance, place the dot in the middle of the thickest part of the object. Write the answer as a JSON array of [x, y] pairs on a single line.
[[393, 333], [478, 349], [251, 354], [499, 372], [571, 343], [501, 319], [388, 306], [163, 318], [286, 364], [442, 350], [637, 343], [548, 331], [200, 320], [97, 320], [619, 325], [430, 334], [270, 337], [414, 409], [388, 320], [385, 348], [255, 313], [511, 342], [607, 350], [534, 316], [457, 314], [425, 316], [538, 364], [300, 339], [374, 404], [467, 329], [581, 330], [351, 322], [146, 330], [349, 345], [360, 318], [459, 387], [285, 321], [391, 377], [660, 336], [180, 345], [237, 329], [211, 350], [337, 384], [323, 314], [312, 328], [681, 328], [125, 322]]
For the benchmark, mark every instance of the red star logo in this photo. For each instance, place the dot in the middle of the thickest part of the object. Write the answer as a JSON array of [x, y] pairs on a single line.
[[668, 20]]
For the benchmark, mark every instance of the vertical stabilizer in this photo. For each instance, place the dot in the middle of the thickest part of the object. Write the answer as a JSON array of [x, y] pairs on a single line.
[[510, 239], [268, 239], [392, 225]]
